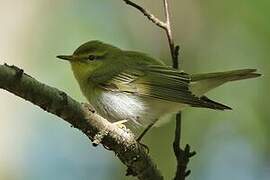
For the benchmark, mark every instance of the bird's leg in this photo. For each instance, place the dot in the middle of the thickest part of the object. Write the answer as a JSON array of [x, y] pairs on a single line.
[[142, 135], [145, 131]]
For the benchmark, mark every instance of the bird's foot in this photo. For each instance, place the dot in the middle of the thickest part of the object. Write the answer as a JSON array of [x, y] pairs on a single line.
[[145, 147], [120, 124]]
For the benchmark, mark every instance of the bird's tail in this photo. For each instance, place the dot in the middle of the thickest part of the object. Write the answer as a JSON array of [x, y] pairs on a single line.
[[202, 83]]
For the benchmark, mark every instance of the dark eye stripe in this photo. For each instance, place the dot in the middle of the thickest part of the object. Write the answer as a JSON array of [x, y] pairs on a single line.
[[92, 57]]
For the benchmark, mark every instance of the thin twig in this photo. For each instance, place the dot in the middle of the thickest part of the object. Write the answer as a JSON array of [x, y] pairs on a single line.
[[164, 25], [169, 34], [180, 170], [177, 135], [182, 156], [147, 13]]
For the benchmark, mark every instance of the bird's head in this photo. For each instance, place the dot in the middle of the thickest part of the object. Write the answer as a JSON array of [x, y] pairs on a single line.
[[90, 56], [90, 52]]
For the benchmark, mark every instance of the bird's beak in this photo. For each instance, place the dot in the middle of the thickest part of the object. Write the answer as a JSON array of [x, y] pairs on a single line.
[[65, 57]]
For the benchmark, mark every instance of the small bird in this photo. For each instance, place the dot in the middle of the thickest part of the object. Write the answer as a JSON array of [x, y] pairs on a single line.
[[132, 86]]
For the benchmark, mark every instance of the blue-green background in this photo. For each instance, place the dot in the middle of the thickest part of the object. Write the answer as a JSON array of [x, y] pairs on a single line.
[[214, 36]]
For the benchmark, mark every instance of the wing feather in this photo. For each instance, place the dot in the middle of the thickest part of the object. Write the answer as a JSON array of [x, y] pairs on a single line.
[[156, 81]]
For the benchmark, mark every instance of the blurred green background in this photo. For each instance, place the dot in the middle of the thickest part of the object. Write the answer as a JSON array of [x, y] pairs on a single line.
[[214, 36]]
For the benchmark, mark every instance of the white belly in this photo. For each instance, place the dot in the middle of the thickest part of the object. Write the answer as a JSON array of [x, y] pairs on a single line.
[[116, 106]]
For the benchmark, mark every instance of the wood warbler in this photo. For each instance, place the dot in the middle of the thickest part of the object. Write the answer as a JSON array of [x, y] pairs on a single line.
[[129, 85]]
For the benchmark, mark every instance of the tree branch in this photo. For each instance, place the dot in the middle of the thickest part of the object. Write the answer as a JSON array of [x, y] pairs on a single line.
[[182, 156], [82, 117]]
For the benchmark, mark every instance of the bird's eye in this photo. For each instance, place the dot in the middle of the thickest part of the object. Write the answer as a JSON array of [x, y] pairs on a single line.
[[91, 57]]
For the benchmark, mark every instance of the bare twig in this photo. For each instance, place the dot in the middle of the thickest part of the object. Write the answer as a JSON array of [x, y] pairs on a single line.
[[164, 25], [170, 35], [147, 13], [182, 156], [96, 128]]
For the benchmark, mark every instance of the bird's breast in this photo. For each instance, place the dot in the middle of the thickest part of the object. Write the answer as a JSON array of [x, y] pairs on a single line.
[[116, 106]]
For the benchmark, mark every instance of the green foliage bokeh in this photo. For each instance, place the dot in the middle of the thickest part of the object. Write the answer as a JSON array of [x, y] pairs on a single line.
[[213, 35]]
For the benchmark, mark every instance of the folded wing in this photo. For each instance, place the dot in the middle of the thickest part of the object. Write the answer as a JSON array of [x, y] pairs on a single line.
[[156, 81]]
